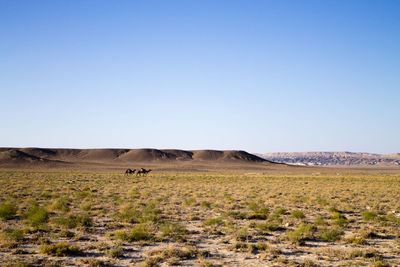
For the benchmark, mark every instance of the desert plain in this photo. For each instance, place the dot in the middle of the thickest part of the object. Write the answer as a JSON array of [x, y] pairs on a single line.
[[195, 208]]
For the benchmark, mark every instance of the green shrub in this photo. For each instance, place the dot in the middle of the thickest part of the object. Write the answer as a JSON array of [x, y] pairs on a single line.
[[237, 214], [241, 246], [173, 230], [320, 221], [36, 215], [380, 263], [60, 249], [66, 233], [339, 219], [115, 252], [241, 234], [369, 215], [85, 220], [298, 214], [8, 210], [355, 253], [303, 199], [213, 221], [368, 254], [174, 256], [322, 202], [150, 212], [128, 213], [83, 194], [206, 204], [331, 234], [261, 246], [86, 206], [268, 227], [67, 222], [120, 235], [305, 231], [47, 195], [133, 194], [138, 233], [228, 196], [61, 204], [275, 217], [393, 219], [133, 214], [355, 240], [280, 211], [189, 201], [13, 234], [73, 221], [258, 208], [333, 209]]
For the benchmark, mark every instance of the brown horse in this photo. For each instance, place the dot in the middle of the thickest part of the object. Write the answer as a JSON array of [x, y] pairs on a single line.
[[130, 171]]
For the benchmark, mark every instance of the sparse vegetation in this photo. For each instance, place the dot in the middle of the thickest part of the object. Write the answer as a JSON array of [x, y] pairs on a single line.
[[137, 233], [355, 240], [331, 234], [73, 221], [173, 230], [36, 216], [338, 219], [213, 221], [60, 249], [115, 252], [304, 231], [298, 214], [13, 234], [268, 227], [8, 210], [115, 219], [61, 204], [369, 215]]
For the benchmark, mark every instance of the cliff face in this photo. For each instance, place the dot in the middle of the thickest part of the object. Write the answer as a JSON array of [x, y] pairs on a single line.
[[333, 158]]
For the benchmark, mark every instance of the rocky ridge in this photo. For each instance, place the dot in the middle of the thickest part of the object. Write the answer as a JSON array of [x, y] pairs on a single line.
[[334, 158]]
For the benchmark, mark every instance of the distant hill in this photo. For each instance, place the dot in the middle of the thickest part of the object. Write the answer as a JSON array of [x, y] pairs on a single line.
[[334, 159], [43, 157]]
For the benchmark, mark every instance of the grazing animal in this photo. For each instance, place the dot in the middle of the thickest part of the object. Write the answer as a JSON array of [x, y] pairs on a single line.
[[130, 171], [143, 172], [139, 172]]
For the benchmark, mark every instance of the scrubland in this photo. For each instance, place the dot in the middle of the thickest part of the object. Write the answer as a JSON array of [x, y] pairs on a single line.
[[105, 219]]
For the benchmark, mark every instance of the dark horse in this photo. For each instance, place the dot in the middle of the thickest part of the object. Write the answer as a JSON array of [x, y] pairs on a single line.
[[143, 172], [130, 171]]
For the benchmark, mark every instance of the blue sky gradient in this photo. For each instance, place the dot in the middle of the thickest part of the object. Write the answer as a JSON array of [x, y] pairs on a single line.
[[261, 76]]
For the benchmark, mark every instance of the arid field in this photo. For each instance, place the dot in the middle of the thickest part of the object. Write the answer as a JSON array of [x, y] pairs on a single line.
[[200, 219]]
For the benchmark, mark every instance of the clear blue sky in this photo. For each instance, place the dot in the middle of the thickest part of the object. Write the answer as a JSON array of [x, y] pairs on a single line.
[[261, 76]]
